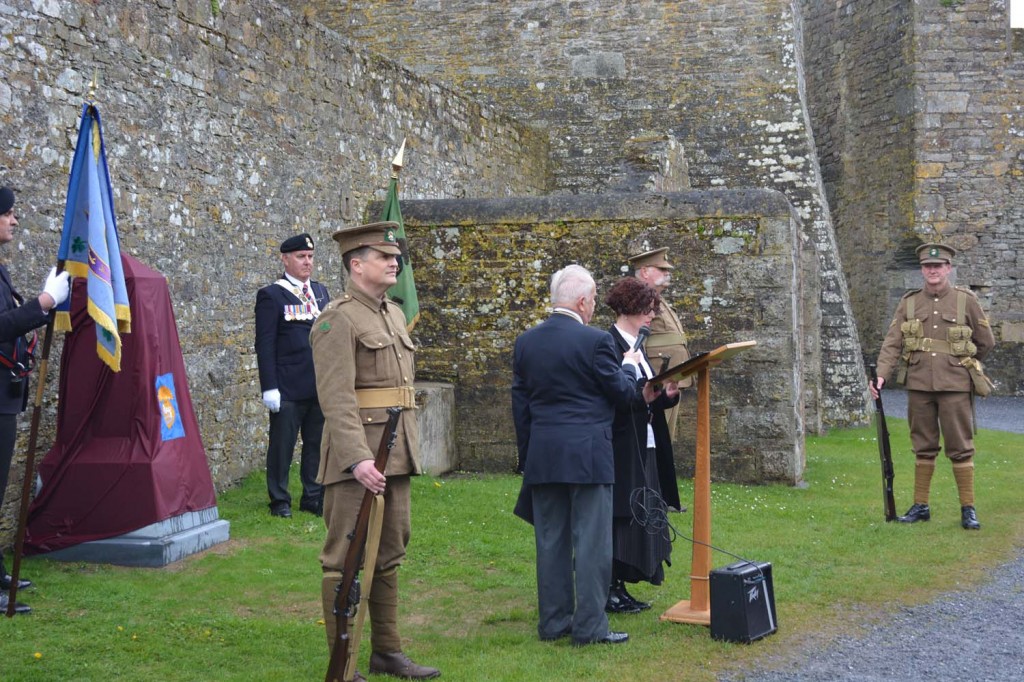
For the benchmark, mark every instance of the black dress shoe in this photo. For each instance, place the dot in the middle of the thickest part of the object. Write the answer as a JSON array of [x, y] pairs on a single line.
[[19, 608], [611, 638], [917, 512], [640, 605], [969, 518], [282, 510], [619, 601], [314, 509], [5, 582]]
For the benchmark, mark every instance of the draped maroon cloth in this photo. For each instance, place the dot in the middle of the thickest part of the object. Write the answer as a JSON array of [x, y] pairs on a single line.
[[111, 470]]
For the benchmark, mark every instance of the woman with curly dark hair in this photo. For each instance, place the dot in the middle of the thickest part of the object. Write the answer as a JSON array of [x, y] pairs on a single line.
[[639, 434]]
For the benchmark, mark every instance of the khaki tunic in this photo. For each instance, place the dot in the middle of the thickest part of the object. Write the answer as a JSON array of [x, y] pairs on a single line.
[[934, 371], [938, 398], [361, 342], [668, 340]]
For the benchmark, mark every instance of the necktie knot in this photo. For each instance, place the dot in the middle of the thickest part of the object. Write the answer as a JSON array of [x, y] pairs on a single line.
[[305, 291]]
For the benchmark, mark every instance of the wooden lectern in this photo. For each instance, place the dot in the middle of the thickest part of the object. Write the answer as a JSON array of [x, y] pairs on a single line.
[[697, 609]]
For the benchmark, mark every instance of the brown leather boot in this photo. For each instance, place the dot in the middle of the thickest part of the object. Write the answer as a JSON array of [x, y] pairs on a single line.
[[398, 664]]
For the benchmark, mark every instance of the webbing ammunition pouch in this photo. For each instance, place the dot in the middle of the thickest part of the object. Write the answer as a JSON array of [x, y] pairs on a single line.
[[958, 344]]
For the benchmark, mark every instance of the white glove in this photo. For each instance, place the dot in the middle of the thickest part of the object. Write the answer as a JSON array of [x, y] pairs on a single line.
[[272, 399], [57, 286]]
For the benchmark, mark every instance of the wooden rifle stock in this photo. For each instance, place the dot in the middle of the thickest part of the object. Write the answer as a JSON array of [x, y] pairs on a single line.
[[884, 452], [348, 596]]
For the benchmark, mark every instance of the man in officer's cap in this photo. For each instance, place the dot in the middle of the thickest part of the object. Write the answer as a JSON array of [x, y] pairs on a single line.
[[938, 337], [285, 313], [364, 364], [18, 317], [666, 348]]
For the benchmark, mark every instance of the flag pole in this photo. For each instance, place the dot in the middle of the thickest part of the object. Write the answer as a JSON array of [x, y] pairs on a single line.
[[33, 437]]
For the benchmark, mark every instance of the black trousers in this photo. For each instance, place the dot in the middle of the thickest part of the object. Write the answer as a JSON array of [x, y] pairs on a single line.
[[295, 416], [8, 435]]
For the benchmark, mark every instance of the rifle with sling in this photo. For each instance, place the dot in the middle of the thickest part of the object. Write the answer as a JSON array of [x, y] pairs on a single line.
[[348, 595], [884, 452]]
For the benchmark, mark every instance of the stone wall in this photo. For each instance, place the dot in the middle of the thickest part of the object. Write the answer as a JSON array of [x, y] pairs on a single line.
[[917, 116], [226, 134], [721, 78], [860, 96], [483, 271], [969, 184]]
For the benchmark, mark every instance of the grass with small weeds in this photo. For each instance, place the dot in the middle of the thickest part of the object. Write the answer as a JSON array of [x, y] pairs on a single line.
[[249, 609]]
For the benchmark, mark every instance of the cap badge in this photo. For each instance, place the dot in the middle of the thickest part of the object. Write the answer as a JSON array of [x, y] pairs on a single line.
[[389, 236], [309, 243], [934, 252]]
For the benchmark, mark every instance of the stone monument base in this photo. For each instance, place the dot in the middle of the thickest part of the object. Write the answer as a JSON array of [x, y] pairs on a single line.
[[155, 545]]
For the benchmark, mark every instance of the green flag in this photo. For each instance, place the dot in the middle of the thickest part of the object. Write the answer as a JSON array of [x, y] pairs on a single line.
[[404, 291]]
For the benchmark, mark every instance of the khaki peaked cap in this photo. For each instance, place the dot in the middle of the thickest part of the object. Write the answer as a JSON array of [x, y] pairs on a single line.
[[935, 253], [658, 258], [378, 236]]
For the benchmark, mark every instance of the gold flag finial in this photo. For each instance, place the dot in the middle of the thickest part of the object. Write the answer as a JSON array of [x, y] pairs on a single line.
[[91, 97], [396, 163]]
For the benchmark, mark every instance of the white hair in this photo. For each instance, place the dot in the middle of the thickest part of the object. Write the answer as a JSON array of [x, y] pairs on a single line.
[[570, 284]]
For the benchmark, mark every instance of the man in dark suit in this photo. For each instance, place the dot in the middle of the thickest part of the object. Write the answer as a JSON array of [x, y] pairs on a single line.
[[17, 318], [567, 381], [285, 312]]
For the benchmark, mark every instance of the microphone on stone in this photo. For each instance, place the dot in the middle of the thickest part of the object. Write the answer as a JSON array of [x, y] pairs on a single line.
[[641, 336]]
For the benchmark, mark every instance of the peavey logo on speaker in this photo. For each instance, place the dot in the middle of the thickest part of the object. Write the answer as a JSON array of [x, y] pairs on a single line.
[[753, 594]]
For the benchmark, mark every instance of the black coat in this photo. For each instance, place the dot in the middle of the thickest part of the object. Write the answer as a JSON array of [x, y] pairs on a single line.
[[283, 353], [17, 318], [629, 436], [567, 381]]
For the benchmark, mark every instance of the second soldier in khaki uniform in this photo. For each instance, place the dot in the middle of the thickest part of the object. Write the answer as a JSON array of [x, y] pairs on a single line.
[[363, 358], [940, 333], [666, 348]]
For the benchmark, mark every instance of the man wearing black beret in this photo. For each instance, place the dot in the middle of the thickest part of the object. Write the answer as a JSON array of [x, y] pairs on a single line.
[[18, 317], [285, 312]]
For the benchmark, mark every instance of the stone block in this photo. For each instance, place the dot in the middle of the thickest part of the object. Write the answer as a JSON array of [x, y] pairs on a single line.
[[435, 418]]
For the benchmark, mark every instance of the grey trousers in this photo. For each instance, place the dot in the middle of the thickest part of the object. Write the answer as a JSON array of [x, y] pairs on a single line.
[[573, 531]]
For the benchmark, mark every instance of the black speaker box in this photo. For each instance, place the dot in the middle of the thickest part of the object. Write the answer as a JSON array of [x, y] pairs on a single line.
[[742, 602]]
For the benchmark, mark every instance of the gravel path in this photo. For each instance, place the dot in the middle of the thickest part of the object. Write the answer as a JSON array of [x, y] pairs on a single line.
[[965, 636]]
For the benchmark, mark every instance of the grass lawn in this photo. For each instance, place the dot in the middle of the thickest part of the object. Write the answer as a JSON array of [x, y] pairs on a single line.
[[249, 608]]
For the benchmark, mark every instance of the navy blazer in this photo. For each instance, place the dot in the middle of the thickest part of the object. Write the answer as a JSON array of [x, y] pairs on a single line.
[[283, 353], [567, 381], [17, 318]]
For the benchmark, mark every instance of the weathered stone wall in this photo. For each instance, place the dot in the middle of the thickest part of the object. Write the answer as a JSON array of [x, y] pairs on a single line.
[[224, 135], [860, 96], [483, 274], [917, 117], [721, 78], [969, 75]]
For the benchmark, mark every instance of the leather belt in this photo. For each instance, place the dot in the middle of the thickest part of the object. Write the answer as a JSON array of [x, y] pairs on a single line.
[[372, 398]]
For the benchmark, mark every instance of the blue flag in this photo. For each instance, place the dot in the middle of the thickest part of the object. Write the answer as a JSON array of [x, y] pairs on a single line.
[[89, 245]]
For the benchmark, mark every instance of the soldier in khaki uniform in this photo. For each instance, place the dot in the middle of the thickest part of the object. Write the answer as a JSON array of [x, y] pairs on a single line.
[[363, 359], [941, 333], [666, 348]]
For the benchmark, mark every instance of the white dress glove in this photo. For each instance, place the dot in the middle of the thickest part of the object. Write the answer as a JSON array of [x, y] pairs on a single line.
[[57, 286], [272, 399]]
